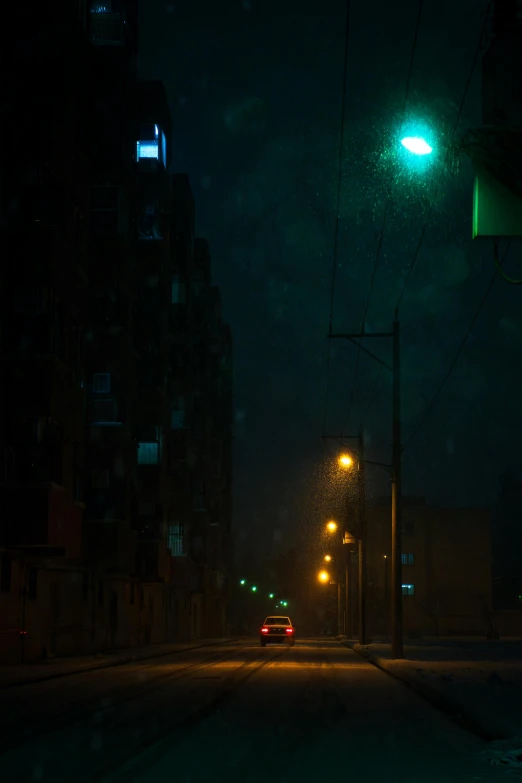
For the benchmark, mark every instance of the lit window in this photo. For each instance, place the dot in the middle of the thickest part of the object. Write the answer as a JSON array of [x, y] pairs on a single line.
[[179, 291], [407, 558], [147, 149], [176, 539], [101, 382], [148, 453], [152, 144], [408, 589]]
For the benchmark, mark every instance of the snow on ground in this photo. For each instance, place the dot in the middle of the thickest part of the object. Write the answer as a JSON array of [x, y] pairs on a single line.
[[483, 679]]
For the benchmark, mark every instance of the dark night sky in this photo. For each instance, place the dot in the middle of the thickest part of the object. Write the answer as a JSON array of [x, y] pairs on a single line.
[[255, 90]]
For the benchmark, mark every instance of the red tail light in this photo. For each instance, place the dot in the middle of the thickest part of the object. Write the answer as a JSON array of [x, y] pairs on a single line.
[[264, 630], [289, 630]]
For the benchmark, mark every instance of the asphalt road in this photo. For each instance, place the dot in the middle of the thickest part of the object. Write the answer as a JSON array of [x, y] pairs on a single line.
[[237, 713]]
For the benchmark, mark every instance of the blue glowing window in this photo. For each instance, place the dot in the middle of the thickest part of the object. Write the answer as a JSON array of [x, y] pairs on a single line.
[[148, 453], [147, 149], [152, 144], [408, 589]]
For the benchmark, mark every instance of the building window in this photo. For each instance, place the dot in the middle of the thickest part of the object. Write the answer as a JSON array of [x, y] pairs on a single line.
[[5, 573], [176, 539], [152, 145], [101, 382], [407, 558], [107, 23], [100, 478], [103, 411], [32, 584], [148, 453], [408, 589], [179, 290]]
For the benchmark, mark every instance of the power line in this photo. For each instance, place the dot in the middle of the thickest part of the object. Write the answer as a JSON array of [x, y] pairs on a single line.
[[459, 350], [486, 15], [336, 229], [449, 151], [385, 216]]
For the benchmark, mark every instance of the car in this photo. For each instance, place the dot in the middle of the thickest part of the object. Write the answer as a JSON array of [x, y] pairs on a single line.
[[277, 629]]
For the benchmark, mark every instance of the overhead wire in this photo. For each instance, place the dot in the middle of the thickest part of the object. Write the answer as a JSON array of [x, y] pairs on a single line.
[[459, 351], [486, 14], [338, 202], [385, 216]]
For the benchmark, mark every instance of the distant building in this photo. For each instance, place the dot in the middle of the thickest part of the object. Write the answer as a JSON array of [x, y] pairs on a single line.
[[115, 364], [446, 569]]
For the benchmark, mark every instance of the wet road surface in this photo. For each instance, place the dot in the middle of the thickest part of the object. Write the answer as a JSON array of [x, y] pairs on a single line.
[[233, 713]]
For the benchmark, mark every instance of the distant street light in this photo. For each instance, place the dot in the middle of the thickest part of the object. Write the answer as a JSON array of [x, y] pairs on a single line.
[[254, 588], [327, 558], [243, 582], [345, 461], [331, 526], [323, 576], [416, 145], [271, 595]]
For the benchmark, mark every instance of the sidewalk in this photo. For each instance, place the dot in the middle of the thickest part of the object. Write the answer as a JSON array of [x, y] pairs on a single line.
[[24, 674], [477, 681]]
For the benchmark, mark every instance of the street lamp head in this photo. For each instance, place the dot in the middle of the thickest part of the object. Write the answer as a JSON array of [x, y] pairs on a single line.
[[271, 595], [331, 526], [243, 582], [323, 576], [416, 145], [254, 588], [327, 558], [345, 461]]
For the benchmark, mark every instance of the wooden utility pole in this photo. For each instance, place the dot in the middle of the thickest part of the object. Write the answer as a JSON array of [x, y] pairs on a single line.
[[363, 581], [396, 566]]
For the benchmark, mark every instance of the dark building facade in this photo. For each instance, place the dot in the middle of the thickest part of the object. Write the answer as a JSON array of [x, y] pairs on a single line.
[[116, 366]]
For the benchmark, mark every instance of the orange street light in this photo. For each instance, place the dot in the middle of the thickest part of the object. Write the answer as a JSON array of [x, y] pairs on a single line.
[[327, 558], [331, 526], [345, 461], [323, 576]]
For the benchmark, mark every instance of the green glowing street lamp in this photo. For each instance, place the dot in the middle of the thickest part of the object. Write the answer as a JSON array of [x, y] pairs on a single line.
[[416, 145], [271, 595], [254, 588], [243, 582]]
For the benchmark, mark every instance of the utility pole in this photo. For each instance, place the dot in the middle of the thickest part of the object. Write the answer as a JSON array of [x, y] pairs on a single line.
[[362, 544], [347, 593], [395, 467], [396, 565]]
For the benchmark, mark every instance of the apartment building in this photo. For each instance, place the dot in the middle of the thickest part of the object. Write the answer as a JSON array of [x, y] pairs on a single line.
[[116, 381]]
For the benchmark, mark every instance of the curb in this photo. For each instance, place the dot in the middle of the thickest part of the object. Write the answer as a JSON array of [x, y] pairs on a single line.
[[450, 707], [108, 664]]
